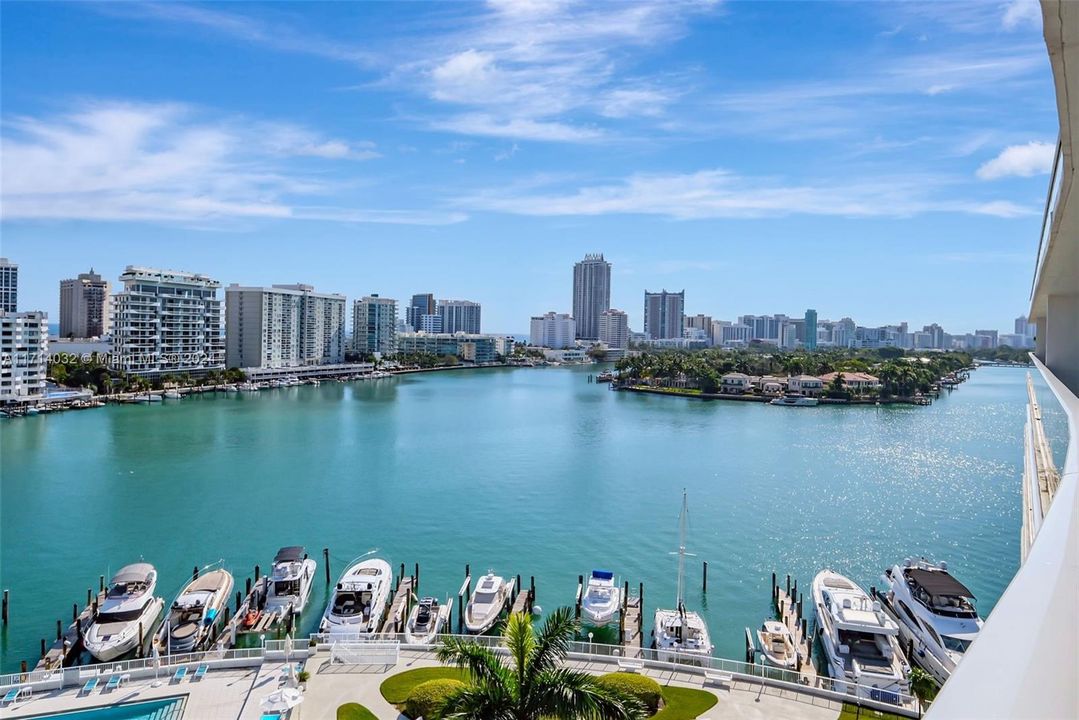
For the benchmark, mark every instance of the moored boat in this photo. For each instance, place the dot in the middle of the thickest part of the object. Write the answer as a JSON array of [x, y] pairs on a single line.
[[486, 604], [198, 608], [681, 635], [777, 645], [290, 580], [425, 621], [794, 400], [359, 600], [126, 615], [601, 598]]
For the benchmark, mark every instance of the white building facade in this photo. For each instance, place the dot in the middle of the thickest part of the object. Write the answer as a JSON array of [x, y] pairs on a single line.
[[591, 294], [374, 325], [459, 316], [614, 328], [24, 349], [553, 330], [283, 326]]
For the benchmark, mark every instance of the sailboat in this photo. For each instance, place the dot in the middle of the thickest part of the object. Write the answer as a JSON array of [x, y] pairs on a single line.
[[681, 635]]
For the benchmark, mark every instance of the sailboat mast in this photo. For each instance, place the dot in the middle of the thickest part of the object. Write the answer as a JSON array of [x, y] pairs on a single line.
[[681, 553]]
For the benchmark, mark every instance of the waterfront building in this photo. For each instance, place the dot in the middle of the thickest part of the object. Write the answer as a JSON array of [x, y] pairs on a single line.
[[806, 385], [614, 329], [459, 316], [735, 383], [283, 326], [810, 341], [374, 325], [664, 314], [167, 322], [420, 305], [936, 333], [504, 344], [429, 324], [566, 355], [734, 334], [552, 330], [854, 381], [84, 306], [468, 347], [24, 350], [591, 294], [9, 286]]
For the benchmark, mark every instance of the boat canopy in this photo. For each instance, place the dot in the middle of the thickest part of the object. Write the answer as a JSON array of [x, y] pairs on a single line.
[[938, 582], [292, 553], [603, 574], [134, 573]]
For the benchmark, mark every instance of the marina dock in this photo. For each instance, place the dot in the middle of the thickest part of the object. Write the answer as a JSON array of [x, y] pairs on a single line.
[[631, 622], [406, 591], [67, 646], [787, 602]]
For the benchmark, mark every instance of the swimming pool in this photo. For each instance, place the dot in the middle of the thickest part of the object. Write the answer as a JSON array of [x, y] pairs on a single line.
[[165, 709]]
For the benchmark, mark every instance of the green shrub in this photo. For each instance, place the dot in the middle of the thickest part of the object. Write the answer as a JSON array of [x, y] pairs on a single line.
[[354, 711], [426, 699], [646, 690]]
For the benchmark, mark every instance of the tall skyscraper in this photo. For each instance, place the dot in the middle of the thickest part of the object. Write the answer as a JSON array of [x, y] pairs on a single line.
[[810, 341], [282, 326], [459, 316], [614, 328], [84, 306], [374, 325], [552, 330], [9, 286], [167, 322], [420, 305], [664, 314], [591, 294]]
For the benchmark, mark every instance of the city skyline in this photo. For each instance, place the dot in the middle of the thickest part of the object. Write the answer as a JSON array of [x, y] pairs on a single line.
[[469, 137]]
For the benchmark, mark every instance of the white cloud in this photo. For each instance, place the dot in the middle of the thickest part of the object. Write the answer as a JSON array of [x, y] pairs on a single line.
[[1019, 13], [719, 193], [167, 162], [517, 128], [1033, 158]]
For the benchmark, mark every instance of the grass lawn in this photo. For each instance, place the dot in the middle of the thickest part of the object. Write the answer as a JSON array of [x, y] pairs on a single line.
[[396, 687], [853, 712], [354, 711], [684, 703]]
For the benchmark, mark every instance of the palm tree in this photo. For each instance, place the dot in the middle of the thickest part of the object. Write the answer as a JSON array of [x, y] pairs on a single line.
[[531, 682]]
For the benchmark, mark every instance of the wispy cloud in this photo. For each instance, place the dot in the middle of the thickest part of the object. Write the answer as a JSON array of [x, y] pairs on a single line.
[[1018, 13], [718, 193], [169, 162], [1033, 158]]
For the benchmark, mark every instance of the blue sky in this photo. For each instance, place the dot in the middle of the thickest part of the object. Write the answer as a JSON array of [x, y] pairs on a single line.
[[883, 161]]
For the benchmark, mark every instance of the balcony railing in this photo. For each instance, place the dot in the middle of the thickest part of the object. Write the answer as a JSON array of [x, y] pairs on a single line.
[[1055, 181]]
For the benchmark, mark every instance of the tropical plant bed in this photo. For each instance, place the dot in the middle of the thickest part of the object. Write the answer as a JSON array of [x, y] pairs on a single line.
[[354, 711], [681, 703], [395, 689]]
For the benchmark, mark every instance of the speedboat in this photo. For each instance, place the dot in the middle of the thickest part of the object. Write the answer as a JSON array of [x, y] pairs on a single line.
[[425, 621], [791, 400], [290, 580], [777, 645], [359, 599], [860, 641], [173, 395], [935, 613], [486, 604], [128, 611], [248, 387], [195, 611], [600, 601], [681, 635], [153, 398]]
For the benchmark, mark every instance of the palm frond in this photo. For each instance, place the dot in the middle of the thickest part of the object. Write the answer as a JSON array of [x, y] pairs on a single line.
[[490, 700], [482, 663], [552, 643], [573, 695], [520, 640]]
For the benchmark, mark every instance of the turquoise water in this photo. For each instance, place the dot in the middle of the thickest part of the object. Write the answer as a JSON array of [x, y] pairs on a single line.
[[170, 709], [529, 471]]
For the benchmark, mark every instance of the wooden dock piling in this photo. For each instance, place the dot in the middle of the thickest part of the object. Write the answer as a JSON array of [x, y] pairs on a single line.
[[326, 561], [788, 607], [704, 581], [5, 607]]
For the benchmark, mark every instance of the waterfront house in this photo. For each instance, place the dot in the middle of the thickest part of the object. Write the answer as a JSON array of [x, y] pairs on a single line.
[[770, 384], [809, 385], [735, 384], [856, 382]]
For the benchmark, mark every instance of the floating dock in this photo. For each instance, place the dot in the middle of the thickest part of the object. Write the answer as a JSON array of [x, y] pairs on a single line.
[[787, 602], [631, 622], [401, 604], [65, 650]]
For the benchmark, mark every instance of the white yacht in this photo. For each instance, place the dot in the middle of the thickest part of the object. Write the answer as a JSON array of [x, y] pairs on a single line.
[[359, 600], [777, 645], [601, 599], [248, 387], [860, 641], [486, 603], [935, 613], [679, 634], [290, 580], [173, 395], [425, 621], [790, 400], [195, 611], [129, 603]]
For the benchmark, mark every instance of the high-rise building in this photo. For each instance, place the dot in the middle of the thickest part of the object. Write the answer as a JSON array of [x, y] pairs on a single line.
[[167, 322], [459, 316], [664, 314], [429, 324], [810, 341], [9, 286], [936, 334], [420, 305], [374, 325], [990, 334], [84, 306], [591, 294], [614, 328], [552, 330], [282, 326], [24, 347], [701, 323]]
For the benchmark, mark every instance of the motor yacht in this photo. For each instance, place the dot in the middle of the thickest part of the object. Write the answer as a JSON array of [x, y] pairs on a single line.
[[486, 604], [425, 621], [860, 641], [128, 611], [790, 400], [291, 580], [777, 645], [935, 613], [194, 613], [359, 600], [601, 599], [681, 635]]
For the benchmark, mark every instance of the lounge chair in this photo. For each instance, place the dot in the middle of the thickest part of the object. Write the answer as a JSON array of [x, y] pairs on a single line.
[[200, 672], [180, 674], [115, 681], [13, 694], [271, 716]]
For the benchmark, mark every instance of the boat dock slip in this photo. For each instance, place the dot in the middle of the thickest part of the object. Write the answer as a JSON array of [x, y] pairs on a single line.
[[788, 606], [397, 615], [66, 647], [631, 622], [523, 602]]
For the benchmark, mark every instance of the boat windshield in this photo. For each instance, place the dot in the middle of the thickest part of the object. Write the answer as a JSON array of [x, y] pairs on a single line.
[[116, 616], [483, 598], [282, 588], [955, 644], [348, 604]]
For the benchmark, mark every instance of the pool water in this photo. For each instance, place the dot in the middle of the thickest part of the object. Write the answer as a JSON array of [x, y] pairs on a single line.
[[166, 709]]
